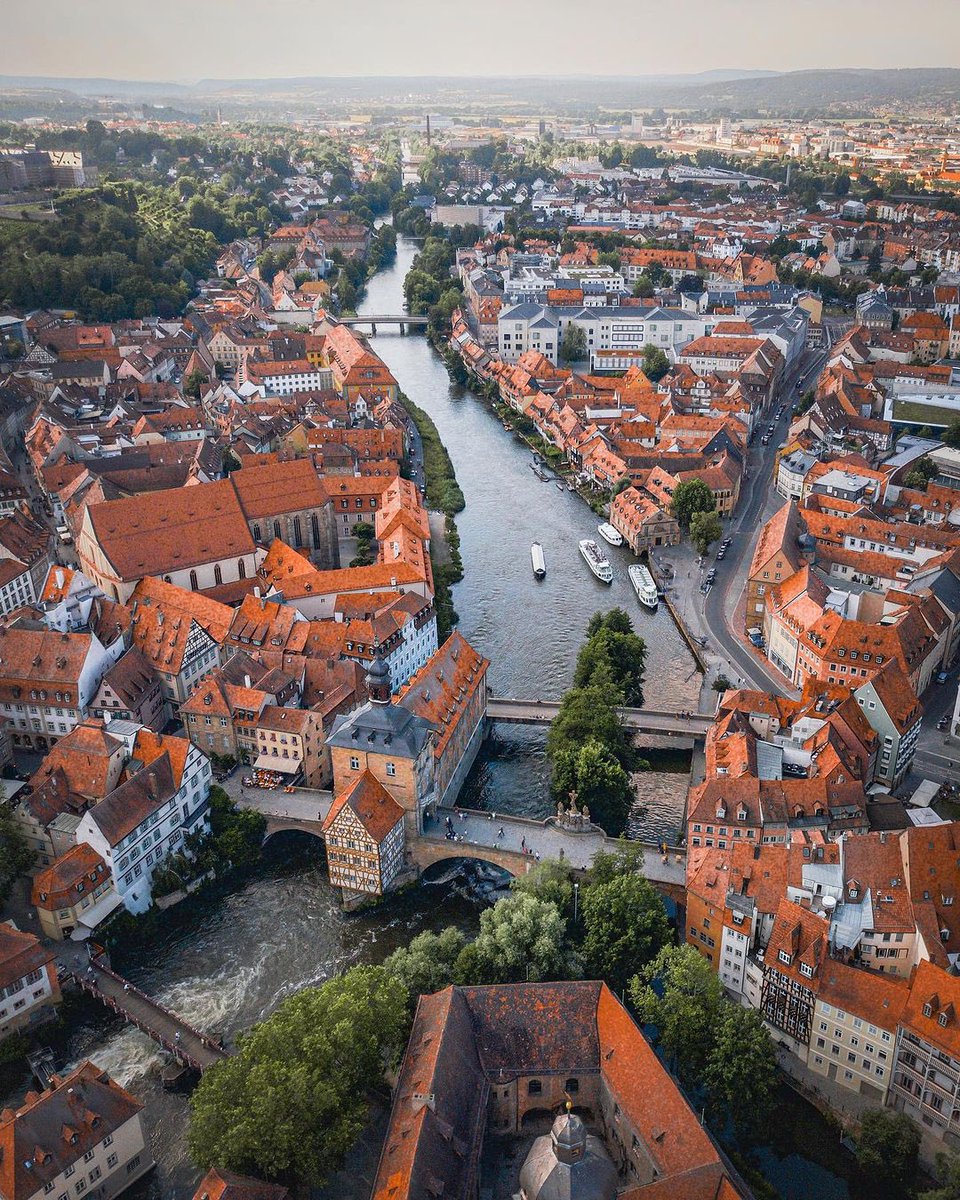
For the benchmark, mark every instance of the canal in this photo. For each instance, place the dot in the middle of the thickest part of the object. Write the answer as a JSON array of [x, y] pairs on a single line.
[[530, 630]]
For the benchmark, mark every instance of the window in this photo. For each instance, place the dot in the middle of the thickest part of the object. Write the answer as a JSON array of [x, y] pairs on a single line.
[[80, 1186], [133, 1164], [534, 1087], [391, 768], [89, 1154], [571, 1086], [94, 1175], [354, 763], [111, 1162]]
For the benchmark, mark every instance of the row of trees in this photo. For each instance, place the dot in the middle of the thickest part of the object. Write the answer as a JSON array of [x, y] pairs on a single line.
[[590, 754]]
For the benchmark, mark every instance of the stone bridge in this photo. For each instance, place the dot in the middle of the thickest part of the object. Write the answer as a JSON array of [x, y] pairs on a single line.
[[509, 842]]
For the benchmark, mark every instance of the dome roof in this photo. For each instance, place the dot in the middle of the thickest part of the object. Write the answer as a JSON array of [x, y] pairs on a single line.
[[569, 1130]]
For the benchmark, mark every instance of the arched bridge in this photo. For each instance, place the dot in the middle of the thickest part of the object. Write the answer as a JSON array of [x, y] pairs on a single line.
[[187, 1045], [515, 844], [641, 720]]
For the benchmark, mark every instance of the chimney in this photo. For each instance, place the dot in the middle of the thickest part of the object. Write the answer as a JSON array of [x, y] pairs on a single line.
[[246, 681]]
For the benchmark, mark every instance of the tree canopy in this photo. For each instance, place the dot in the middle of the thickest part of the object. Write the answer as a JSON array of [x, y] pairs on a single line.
[[691, 496], [626, 926], [705, 528], [887, 1149], [591, 773], [717, 1046], [292, 1100], [520, 938], [15, 853], [613, 652]]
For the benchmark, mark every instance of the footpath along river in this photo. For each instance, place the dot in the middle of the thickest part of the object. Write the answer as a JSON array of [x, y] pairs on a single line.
[[226, 963]]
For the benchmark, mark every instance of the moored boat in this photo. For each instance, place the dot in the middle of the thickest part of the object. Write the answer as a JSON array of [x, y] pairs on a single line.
[[609, 534], [644, 585], [539, 562], [593, 556]]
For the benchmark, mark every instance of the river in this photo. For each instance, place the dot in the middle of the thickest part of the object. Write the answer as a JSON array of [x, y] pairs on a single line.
[[529, 630], [225, 963]]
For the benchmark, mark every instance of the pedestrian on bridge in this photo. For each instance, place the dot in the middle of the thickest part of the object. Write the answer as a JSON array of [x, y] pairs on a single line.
[[500, 832]]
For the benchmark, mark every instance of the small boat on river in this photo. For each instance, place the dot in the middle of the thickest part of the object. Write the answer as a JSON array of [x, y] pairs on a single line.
[[538, 561]]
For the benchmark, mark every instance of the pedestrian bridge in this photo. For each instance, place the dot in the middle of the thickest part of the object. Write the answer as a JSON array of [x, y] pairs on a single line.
[[189, 1046], [403, 320], [640, 720]]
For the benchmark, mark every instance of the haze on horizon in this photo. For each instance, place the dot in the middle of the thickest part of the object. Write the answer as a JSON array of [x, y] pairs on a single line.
[[188, 40]]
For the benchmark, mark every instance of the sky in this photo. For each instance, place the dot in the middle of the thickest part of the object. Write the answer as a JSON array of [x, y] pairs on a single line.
[[186, 40]]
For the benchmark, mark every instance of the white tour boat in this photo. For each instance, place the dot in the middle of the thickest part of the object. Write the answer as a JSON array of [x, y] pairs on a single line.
[[644, 586], [539, 562], [609, 534], [594, 559]]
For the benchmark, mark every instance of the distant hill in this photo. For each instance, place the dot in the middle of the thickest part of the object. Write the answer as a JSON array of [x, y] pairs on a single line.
[[818, 91], [727, 90]]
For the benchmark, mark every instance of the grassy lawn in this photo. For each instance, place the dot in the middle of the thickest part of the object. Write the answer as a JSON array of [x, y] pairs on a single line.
[[923, 414]]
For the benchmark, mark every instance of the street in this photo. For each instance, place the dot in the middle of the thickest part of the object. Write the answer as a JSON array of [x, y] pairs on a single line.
[[714, 615]]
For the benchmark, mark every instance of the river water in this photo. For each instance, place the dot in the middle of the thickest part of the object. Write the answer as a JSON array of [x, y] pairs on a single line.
[[530, 630], [226, 963]]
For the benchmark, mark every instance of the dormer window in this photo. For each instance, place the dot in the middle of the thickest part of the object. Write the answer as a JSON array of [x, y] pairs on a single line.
[[721, 812], [928, 1009], [942, 1019], [806, 971], [742, 813], [785, 957]]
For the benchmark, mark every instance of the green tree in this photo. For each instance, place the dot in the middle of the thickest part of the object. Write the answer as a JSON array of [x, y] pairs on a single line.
[[586, 714], [951, 435], [573, 347], [548, 881], [626, 859], [626, 926], [948, 1174], [292, 1100], [428, 964], [520, 938], [887, 1148], [592, 772], [691, 496], [684, 1006], [15, 853], [705, 528], [655, 362], [612, 654], [741, 1069], [841, 184], [194, 382], [643, 287]]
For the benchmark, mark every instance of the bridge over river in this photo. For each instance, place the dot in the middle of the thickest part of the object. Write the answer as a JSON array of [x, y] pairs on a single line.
[[512, 843], [639, 720], [187, 1045], [404, 320]]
